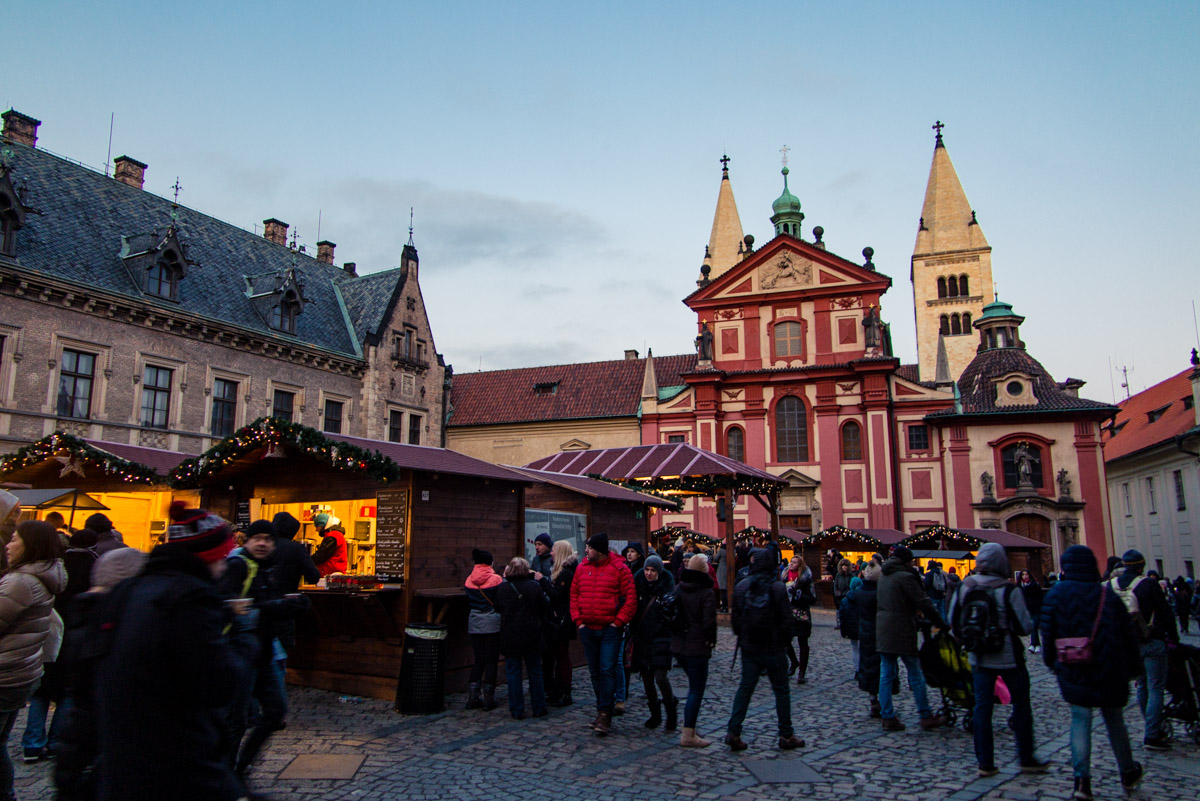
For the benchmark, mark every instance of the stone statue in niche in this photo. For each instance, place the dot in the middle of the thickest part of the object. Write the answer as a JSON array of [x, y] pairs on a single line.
[[874, 328], [704, 343], [989, 484], [1025, 460], [1064, 483]]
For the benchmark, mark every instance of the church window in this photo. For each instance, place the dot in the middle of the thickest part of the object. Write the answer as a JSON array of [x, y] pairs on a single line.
[[952, 286], [945, 325], [942, 286], [789, 339], [162, 277], [955, 325], [791, 430], [966, 322], [735, 444], [962, 285], [1008, 462], [918, 437], [851, 442]]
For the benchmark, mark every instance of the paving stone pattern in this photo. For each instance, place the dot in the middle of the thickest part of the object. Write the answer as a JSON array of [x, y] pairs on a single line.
[[458, 754]]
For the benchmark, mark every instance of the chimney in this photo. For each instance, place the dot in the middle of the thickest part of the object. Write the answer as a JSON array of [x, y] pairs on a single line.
[[275, 231], [631, 355], [325, 251], [20, 128], [129, 171], [350, 267]]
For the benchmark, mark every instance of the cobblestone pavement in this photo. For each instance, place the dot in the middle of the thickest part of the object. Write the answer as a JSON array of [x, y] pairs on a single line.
[[481, 755]]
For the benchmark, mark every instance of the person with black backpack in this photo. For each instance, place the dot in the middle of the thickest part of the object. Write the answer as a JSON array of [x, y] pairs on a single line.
[[762, 621], [989, 616]]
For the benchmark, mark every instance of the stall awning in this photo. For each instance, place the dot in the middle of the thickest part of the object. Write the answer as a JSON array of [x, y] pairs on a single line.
[[788, 537], [593, 487], [948, 555], [974, 537], [874, 538], [58, 499]]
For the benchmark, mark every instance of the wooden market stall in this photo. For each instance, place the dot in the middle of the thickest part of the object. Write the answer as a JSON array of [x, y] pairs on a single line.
[[855, 545], [944, 543], [128, 482]]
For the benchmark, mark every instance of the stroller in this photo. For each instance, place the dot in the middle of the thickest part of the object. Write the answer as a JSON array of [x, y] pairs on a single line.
[[1183, 683], [944, 663]]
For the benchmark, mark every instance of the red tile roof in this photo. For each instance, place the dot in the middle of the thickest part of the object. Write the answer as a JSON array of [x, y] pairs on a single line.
[[158, 460], [1133, 427], [587, 390], [650, 461], [435, 460], [977, 386], [909, 372]]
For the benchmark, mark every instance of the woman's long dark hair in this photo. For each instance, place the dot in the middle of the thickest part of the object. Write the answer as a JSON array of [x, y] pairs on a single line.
[[41, 540]]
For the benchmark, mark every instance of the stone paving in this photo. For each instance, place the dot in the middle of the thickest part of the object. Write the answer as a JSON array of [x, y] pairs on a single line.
[[487, 755]]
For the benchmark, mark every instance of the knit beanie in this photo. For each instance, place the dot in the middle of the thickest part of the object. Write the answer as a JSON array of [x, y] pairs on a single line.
[[481, 557], [598, 542], [903, 553], [286, 526], [654, 562], [207, 536], [544, 539], [84, 538], [99, 523], [261, 527], [698, 562], [1132, 557], [321, 519], [116, 566]]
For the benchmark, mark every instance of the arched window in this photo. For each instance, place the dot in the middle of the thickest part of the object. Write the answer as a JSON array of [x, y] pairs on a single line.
[[851, 442], [962, 285], [966, 322], [945, 325], [952, 286], [1011, 459], [735, 444], [162, 277], [283, 316], [9, 223], [789, 340], [955, 325], [942, 286], [791, 430]]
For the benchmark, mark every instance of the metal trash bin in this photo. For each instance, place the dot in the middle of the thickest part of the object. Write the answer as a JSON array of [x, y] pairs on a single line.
[[422, 689]]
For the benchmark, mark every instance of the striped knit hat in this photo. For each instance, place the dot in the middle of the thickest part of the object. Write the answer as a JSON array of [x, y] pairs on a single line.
[[207, 536]]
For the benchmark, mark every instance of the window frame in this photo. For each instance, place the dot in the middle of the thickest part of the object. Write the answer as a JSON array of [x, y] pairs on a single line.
[[910, 428], [802, 448], [76, 377], [779, 328], [325, 416], [223, 409], [418, 432], [1180, 494], [395, 425], [156, 392], [1152, 501], [741, 444], [847, 454], [275, 408]]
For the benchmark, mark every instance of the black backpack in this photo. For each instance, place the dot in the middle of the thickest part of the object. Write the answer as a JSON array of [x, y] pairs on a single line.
[[759, 625], [672, 612], [977, 622]]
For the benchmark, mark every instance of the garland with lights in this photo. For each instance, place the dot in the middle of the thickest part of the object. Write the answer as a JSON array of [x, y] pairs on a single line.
[[269, 431], [697, 485], [750, 532], [630, 484], [74, 452], [660, 536], [941, 532], [838, 532]]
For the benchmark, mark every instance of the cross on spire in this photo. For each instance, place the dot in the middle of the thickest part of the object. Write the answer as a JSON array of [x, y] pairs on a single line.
[[938, 126], [175, 205], [784, 151], [410, 225], [724, 165]]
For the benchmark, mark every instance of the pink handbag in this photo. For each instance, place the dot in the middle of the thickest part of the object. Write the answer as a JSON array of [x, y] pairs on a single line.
[[1078, 650]]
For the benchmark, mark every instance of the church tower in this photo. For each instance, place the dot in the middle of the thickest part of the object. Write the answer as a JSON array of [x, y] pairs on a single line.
[[725, 243], [951, 270]]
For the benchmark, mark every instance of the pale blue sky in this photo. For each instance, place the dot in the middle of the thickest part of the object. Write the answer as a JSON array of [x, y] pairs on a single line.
[[562, 159]]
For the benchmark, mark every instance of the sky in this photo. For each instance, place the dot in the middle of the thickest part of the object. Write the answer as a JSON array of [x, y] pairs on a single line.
[[561, 160]]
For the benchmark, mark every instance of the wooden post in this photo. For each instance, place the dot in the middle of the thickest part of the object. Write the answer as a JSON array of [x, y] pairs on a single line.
[[773, 497], [730, 561]]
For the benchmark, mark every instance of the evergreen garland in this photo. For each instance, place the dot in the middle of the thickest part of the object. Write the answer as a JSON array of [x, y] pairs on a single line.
[[62, 444], [942, 532], [843, 533]]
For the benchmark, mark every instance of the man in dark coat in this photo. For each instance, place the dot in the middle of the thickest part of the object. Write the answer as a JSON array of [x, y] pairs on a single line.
[[168, 673], [652, 641], [762, 619], [291, 561], [1070, 610], [899, 598], [865, 600]]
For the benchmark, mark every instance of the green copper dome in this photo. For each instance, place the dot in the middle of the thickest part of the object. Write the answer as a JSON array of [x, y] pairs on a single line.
[[787, 217], [997, 308]]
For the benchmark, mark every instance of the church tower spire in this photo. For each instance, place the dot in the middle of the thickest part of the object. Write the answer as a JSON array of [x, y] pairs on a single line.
[[724, 243], [951, 269]]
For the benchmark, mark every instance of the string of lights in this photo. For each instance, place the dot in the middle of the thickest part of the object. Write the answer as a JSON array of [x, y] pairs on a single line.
[[77, 456]]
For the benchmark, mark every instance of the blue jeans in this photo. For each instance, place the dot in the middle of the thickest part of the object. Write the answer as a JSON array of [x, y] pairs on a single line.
[[537, 690], [940, 605], [1081, 739], [35, 737], [889, 670], [270, 690], [775, 665], [602, 647], [1151, 685], [621, 681], [696, 668], [1017, 680]]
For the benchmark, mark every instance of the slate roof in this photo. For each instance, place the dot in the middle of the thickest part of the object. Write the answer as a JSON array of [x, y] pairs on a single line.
[[978, 390], [76, 236], [1136, 431], [586, 390], [435, 460], [368, 298], [650, 461]]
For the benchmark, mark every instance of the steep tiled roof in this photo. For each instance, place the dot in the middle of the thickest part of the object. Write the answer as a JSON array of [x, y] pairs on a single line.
[[1135, 429], [592, 487], [435, 460], [977, 387], [570, 391], [665, 461], [76, 236], [909, 372], [368, 297]]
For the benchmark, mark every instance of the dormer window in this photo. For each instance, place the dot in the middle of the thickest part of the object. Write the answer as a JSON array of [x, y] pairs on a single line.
[[278, 298], [1153, 415], [546, 388], [162, 277], [157, 262], [283, 316]]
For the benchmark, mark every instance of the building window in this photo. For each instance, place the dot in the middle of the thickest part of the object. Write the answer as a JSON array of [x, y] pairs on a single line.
[[156, 396], [944, 325], [9, 223], [224, 407], [966, 322], [673, 438], [546, 388], [159, 282], [414, 429], [1151, 502], [1128, 500], [789, 340], [75, 378], [962, 286], [791, 430], [283, 405], [1180, 500], [851, 442], [283, 317], [333, 416], [955, 325], [735, 444], [941, 286], [1008, 461], [1189, 568], [918, 437], [952, 286], [395, 426]]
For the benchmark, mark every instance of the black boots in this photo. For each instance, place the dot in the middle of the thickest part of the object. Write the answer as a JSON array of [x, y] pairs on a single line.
[[655, 719], [672, 705], [489, 697], [473, 700]]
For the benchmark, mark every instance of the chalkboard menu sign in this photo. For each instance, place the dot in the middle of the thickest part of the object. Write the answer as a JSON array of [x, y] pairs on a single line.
[[241, 517], [391, 531]]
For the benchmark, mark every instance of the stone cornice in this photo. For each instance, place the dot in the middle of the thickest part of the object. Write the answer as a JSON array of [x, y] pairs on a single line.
[[17, 283]]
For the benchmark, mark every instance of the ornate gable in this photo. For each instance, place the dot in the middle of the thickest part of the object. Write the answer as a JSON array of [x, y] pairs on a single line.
[[277, 297]]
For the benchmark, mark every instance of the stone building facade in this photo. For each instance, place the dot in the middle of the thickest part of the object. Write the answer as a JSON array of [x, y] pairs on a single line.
[[128, 318]]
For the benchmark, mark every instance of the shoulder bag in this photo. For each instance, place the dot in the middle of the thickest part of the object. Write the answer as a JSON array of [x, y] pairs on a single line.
[[1078, 650]]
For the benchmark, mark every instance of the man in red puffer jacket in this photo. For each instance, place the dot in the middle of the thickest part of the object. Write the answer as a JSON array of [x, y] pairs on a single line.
[[603, 602]]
